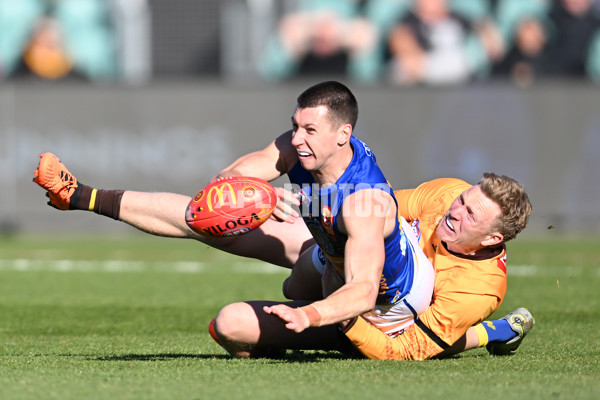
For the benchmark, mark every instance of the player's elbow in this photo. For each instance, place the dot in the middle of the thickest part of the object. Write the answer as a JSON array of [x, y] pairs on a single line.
[[368, 299]]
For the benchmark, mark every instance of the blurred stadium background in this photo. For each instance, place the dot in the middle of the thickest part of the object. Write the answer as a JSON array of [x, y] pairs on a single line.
[[162, 94]]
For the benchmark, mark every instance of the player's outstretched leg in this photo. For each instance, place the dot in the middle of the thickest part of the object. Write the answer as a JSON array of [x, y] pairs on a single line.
[[521, 322], [53, 176]]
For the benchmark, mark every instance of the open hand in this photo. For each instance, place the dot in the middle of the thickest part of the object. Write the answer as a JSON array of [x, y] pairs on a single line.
[[284, 212], [295, 319]]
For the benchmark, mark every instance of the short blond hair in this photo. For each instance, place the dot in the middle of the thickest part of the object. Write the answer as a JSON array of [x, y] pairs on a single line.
[[513, 202]]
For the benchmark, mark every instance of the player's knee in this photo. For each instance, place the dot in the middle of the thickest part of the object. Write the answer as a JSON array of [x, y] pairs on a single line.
[[225, 326], [295, 289], [287, 289], [236, 326], [236, 323]]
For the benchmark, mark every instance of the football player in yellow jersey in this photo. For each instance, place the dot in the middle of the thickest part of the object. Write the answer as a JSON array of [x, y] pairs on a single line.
[[462, 230]]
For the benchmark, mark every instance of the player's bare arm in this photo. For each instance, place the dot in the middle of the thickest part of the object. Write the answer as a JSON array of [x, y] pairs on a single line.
[[269, 164], [363, 265]]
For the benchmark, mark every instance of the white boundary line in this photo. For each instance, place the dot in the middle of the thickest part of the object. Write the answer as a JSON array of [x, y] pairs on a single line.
[[537, 270], [114, 266], [193, 267]]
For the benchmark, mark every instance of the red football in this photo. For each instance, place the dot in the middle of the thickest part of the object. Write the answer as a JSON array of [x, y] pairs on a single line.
[[231, 206]]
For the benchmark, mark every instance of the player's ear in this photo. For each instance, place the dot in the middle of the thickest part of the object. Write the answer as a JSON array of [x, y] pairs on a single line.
[[492, 239], [344, 134]]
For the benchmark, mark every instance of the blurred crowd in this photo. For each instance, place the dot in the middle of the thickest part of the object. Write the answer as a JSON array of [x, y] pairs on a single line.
[[86, 40], [56, 39], [437, 42], [396, 42]]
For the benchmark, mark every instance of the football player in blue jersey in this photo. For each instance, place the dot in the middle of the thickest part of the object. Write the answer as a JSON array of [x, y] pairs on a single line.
[[351, 213]]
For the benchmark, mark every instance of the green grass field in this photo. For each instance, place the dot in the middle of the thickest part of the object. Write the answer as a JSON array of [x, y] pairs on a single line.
[[126, 318]]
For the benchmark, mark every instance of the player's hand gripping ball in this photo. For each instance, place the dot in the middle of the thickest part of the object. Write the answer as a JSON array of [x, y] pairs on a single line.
[[231, 206]]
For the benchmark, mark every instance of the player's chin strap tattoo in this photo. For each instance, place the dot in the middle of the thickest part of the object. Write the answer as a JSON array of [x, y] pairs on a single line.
[[103, 202]]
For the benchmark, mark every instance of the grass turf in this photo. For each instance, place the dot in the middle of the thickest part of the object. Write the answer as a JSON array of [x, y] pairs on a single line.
[[126, 318]]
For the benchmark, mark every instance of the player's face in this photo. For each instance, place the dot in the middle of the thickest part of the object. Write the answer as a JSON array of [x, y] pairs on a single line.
[[467, 226], [314, 137]]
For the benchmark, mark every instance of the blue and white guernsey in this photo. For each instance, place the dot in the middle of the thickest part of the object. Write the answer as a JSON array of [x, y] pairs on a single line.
[[320, 211]]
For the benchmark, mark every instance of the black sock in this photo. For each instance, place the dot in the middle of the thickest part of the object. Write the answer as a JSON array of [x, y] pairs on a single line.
[[103, 202]]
